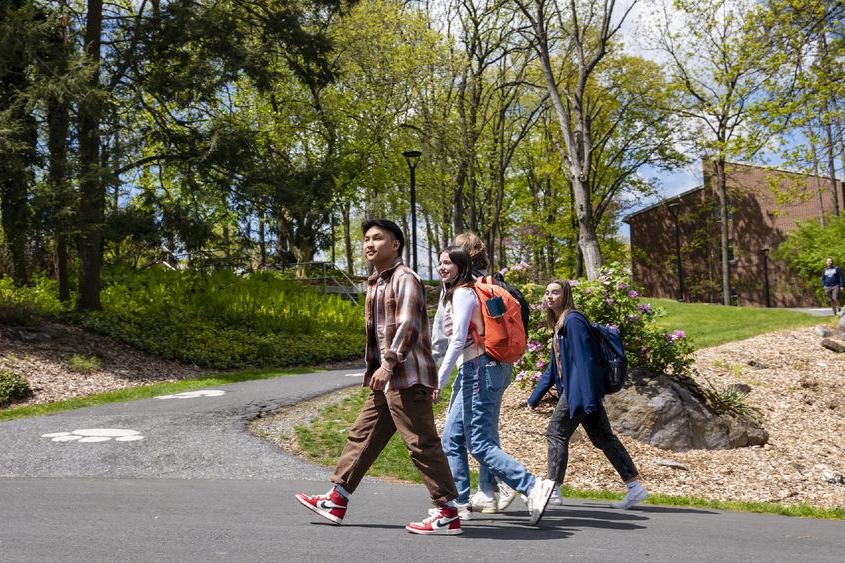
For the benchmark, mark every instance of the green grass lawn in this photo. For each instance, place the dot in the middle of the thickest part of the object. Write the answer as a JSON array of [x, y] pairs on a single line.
[[323, 440], [144, 392], [706, 324]]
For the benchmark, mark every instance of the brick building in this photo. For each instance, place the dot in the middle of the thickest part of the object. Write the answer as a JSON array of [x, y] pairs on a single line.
[[765, 204]]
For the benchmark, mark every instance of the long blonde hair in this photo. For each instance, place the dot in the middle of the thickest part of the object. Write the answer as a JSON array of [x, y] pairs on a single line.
[[553, 322]]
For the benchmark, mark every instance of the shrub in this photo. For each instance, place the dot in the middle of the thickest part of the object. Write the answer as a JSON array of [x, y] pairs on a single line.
[[24, 305], [807, 247], [81, 364], [13, 387], [609, 299], [227, 321], [731, 400]]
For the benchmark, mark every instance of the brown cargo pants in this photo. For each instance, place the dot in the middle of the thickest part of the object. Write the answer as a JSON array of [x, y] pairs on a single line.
[[410, 412]]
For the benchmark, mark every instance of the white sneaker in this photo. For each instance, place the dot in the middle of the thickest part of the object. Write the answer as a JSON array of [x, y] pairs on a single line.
[[632, 497], [538, 499], [482, 503], [556, 499], [507, 496], [464, 512]]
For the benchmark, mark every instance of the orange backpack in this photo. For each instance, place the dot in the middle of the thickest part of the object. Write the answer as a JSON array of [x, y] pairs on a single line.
[[504, 333]]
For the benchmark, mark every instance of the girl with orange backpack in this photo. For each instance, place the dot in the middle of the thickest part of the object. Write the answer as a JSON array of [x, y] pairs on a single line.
[[472, 422]]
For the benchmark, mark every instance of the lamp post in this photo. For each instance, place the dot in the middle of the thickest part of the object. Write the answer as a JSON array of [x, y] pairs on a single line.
[[413, 157], [673, 209], [765, 253]]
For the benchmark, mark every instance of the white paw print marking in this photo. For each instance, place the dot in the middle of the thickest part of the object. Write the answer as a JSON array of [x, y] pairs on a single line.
[[194, 394], [93, 435]]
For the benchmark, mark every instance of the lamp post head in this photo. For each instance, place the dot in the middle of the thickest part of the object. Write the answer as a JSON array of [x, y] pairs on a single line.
[[765, 250], [412, 157]]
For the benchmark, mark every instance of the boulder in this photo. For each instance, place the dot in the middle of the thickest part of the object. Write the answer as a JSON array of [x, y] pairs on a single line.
[[823, 331], [828, 475], [833, 345], [671, 463], [672, 414]]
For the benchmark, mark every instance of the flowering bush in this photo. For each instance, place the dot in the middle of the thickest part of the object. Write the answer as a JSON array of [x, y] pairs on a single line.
[[610, 300]]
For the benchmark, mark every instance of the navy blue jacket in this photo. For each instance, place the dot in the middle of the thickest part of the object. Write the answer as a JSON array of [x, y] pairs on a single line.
[[581, 384], [836, 279]]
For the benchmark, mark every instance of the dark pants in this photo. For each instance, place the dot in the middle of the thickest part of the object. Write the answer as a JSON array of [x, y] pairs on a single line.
[[410, 412], [560, 430]]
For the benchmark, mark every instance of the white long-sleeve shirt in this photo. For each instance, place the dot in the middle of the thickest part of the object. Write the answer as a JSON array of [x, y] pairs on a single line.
[[461, 347]]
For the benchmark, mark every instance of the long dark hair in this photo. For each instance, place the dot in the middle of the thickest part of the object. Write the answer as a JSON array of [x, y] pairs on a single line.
[[461, 259], [552, 320]]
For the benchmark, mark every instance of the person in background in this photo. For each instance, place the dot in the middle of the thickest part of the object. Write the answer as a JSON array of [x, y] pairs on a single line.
[[580, 389], [472, 418], [833, 282], [403, 378]]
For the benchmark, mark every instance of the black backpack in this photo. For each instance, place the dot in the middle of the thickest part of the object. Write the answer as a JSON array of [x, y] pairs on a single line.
[[499, 280], [614, 363]]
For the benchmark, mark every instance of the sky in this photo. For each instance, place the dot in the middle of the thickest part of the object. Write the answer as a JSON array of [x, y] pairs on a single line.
[[676, 181]]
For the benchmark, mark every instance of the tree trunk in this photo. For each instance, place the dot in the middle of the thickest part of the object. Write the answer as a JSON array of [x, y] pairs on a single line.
[[841, 150], [262, 239], [721, 187], [58, 124], [831, 166], [17, 158], [817, 179], [347, 238], [429, 239], [92, 195]]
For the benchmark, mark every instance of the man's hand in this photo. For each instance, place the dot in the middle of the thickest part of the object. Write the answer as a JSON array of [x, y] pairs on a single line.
[[380, 379], [435, 396]]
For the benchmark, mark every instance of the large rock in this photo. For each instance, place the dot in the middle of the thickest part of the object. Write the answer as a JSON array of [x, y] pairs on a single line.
[[823, 331], [833, 345], [671, 414]]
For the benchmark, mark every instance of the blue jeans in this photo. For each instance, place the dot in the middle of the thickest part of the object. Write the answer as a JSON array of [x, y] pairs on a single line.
[[472, 426]]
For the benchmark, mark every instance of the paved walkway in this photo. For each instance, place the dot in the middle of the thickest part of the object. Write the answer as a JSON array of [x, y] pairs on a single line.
[[180, 479]]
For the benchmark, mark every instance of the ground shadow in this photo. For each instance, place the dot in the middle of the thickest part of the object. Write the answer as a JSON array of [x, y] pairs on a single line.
[[657, 509], [672, 510], [348, 525], [492, 532]]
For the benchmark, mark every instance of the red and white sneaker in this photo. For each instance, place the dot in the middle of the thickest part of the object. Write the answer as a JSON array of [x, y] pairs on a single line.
[[331, 506], [445, 521]]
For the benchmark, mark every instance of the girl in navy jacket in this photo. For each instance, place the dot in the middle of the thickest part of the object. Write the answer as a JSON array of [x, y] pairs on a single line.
[[579, 381]]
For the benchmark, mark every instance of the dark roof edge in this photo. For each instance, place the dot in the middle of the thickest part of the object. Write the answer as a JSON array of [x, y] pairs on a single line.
[[661, 202]]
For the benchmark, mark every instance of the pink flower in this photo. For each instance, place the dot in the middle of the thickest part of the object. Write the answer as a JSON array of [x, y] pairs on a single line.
[[573, 283], [677, 335], [633, 294], [622, 285], [537, 375], [521, 375], [644, 308], [534, 346], [540, 364]]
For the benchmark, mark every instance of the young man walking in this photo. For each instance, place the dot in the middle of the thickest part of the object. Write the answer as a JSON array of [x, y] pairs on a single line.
[[833, 282], [402, 375]]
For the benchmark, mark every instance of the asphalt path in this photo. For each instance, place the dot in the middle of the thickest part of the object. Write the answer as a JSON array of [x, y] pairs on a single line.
[[182, 479]]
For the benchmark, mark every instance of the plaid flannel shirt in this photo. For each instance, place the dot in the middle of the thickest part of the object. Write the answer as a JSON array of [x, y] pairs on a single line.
[[399, 334]]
